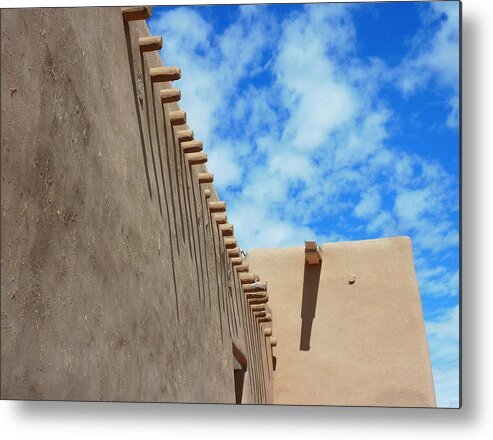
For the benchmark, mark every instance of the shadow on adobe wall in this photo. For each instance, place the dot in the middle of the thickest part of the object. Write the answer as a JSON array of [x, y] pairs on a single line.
[[311, 280], [137, 110]]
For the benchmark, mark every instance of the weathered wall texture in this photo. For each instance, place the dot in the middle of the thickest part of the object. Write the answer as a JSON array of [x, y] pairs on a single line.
[[115, 281], [342, 343]]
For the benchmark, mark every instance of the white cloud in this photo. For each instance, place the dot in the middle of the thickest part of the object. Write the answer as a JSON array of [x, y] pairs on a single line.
[[438, 281], [436, 237], [300, 142], [224, 164], [436, 52], [313, 133], [410, 205], [311, 139], [305, 59], [383, 223], [212, 65], [369, 204], [435, 55], [453, 116]]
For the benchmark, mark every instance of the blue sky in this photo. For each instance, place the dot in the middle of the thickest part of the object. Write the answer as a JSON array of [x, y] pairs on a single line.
[[334, 122]]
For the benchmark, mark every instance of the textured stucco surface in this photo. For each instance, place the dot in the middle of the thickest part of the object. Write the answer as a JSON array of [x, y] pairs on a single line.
[[115, 282], [367, 344]]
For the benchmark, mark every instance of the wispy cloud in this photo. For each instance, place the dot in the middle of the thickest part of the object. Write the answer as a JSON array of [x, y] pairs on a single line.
[[369, 205], [301, 141], [434, 55], [439, 281], [213, 64]]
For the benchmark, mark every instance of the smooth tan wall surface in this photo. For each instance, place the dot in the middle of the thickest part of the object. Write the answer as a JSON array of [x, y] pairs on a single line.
[[342, 343], [115, 282]]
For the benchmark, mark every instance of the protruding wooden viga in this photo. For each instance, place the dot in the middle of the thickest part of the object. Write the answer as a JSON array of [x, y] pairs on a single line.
[[267, 331], [171, 95], [266, 318], [220, 218], [255, 287], [183, 135], [205, 177], [217, 206], [257, 308], [249, 278], [192, 146], [230, 242], [256, 295], [177, 117], [196, 158], [207, 193], [313, 254], [150, 44], [236, 261], [244, 267], [165, 73], [234, 253], [260, 300], [136, 13], [227, 230]]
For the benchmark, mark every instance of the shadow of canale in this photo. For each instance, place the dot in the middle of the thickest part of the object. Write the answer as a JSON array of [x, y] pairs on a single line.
[[311, 280]]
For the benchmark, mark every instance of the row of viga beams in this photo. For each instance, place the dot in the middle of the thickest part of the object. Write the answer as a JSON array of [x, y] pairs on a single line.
[[256, 301], [218, 211], [255, 291], [257, 298], [150, 44], [192, 149], [161, 73]]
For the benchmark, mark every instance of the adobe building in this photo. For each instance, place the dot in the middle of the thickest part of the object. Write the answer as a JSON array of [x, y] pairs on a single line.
[[121, 278], [349, 324]]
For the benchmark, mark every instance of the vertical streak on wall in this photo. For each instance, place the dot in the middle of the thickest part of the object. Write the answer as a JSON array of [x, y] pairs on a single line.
[[184, 187], [198, 221]]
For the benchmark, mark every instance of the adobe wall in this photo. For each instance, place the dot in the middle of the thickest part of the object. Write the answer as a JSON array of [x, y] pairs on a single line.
[[347, 344], [115, 281]]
